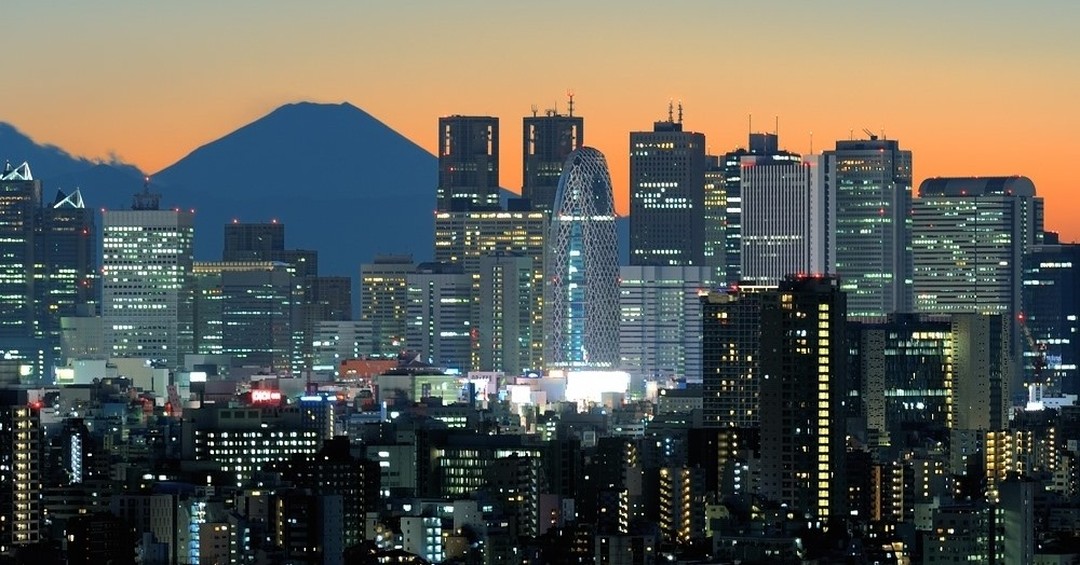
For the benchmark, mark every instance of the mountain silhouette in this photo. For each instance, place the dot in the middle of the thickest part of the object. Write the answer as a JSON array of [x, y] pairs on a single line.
[[103, 184], [343, 183]]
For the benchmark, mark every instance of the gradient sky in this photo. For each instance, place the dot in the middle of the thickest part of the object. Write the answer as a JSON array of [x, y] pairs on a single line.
[[971, 87]]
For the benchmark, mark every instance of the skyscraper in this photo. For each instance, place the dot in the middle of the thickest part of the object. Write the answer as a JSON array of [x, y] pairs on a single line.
[[468, 163], [784, 220], [660, 320], [546, 142], [509, 335], [1051, 298], [581, 287], [20, 203], [729, 166], [803, 388], [67, 251], [253, 242], [439, 313], [870, 181], [667, 195], [969, 238], [384, 300], [147, 281], [731, 357]]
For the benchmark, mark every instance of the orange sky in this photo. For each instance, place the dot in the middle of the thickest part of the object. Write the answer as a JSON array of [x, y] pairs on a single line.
[[971, 87]]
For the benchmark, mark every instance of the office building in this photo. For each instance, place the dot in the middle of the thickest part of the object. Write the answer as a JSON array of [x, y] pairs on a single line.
[[147, 281], [69, 258], [660, 320], [581, 286], [470, 238], [438, 309], [339, 341], [969, 238], [253, 242], [384, 299], [870, 191], [509, 330], [730, 345], [667, 195], [546, 142], [729, 166], [715, 218], [249, 311], [803, 389], [468, 163], [20, 203], [784, 218], [1050, 326]]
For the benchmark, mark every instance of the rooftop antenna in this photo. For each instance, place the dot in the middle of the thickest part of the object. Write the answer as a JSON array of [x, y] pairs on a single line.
[[670, 111], [776, 128], [749, 125], [680, 111], [811, 142], [851, 135], [570, 95], [534, 109]]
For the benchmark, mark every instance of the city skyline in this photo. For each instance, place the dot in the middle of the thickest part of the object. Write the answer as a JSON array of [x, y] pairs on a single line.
[[968, 88]]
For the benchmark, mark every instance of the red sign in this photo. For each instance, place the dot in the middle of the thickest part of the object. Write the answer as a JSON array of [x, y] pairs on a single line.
[[263, 395]]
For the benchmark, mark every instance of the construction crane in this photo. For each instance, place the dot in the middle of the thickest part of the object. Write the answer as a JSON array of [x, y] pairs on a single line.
[[1036, 387]]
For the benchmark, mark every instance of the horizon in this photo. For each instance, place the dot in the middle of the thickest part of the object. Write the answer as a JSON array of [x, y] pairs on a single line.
[[971, 88]]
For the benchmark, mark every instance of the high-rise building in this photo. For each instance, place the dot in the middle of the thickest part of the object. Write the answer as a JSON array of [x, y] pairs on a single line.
[[803, 389], [581, 284], [508, 326], [253, 242], [660, 320], [468, 163], [468, 238], [439, 308], [384, 301], [730, 166], [147, 281], [715, 211], [667, 195], [546, 142], [903, 376], [20, 203], [784, 218], [1050, 326], [731, 357], [870, 186], [248, 310], [20, 472], [968, 241]]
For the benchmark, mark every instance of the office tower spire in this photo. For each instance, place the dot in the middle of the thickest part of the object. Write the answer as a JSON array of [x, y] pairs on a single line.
[[581, 290]]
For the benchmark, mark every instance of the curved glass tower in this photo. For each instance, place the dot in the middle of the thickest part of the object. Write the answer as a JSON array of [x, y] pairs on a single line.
[[581, 263]]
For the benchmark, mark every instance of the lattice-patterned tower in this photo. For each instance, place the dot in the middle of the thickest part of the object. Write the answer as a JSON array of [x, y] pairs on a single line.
[[581, 263]]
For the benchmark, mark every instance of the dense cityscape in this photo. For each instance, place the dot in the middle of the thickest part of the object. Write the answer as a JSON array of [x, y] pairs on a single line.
[[807, 360]]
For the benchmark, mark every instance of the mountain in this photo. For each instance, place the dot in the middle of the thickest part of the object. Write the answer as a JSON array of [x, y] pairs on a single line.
[[103, 183], [344, 184]]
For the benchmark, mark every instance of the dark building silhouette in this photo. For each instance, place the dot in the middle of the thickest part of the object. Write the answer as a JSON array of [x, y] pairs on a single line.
[[547, 141], [468, 163], [253, 242], [667, 195], [1051, 308]]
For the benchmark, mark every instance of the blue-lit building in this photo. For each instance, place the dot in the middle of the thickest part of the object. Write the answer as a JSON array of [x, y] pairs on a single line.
[[581, 287], [1051, 302]]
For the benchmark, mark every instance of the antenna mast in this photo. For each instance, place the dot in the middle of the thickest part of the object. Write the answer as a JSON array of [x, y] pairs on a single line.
[[670, 111], [570, 95]]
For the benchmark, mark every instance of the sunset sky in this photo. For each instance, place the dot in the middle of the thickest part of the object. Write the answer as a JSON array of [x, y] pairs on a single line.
[[971, 87]]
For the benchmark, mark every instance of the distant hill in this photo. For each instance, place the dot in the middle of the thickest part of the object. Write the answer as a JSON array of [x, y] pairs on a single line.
[[344, 184], [103, 184]]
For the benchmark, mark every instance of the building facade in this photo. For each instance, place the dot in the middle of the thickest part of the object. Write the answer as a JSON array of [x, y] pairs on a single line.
[[581, 286], [870, 185], [667, 196], [546, 142], [147, 290], [468, 163]]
